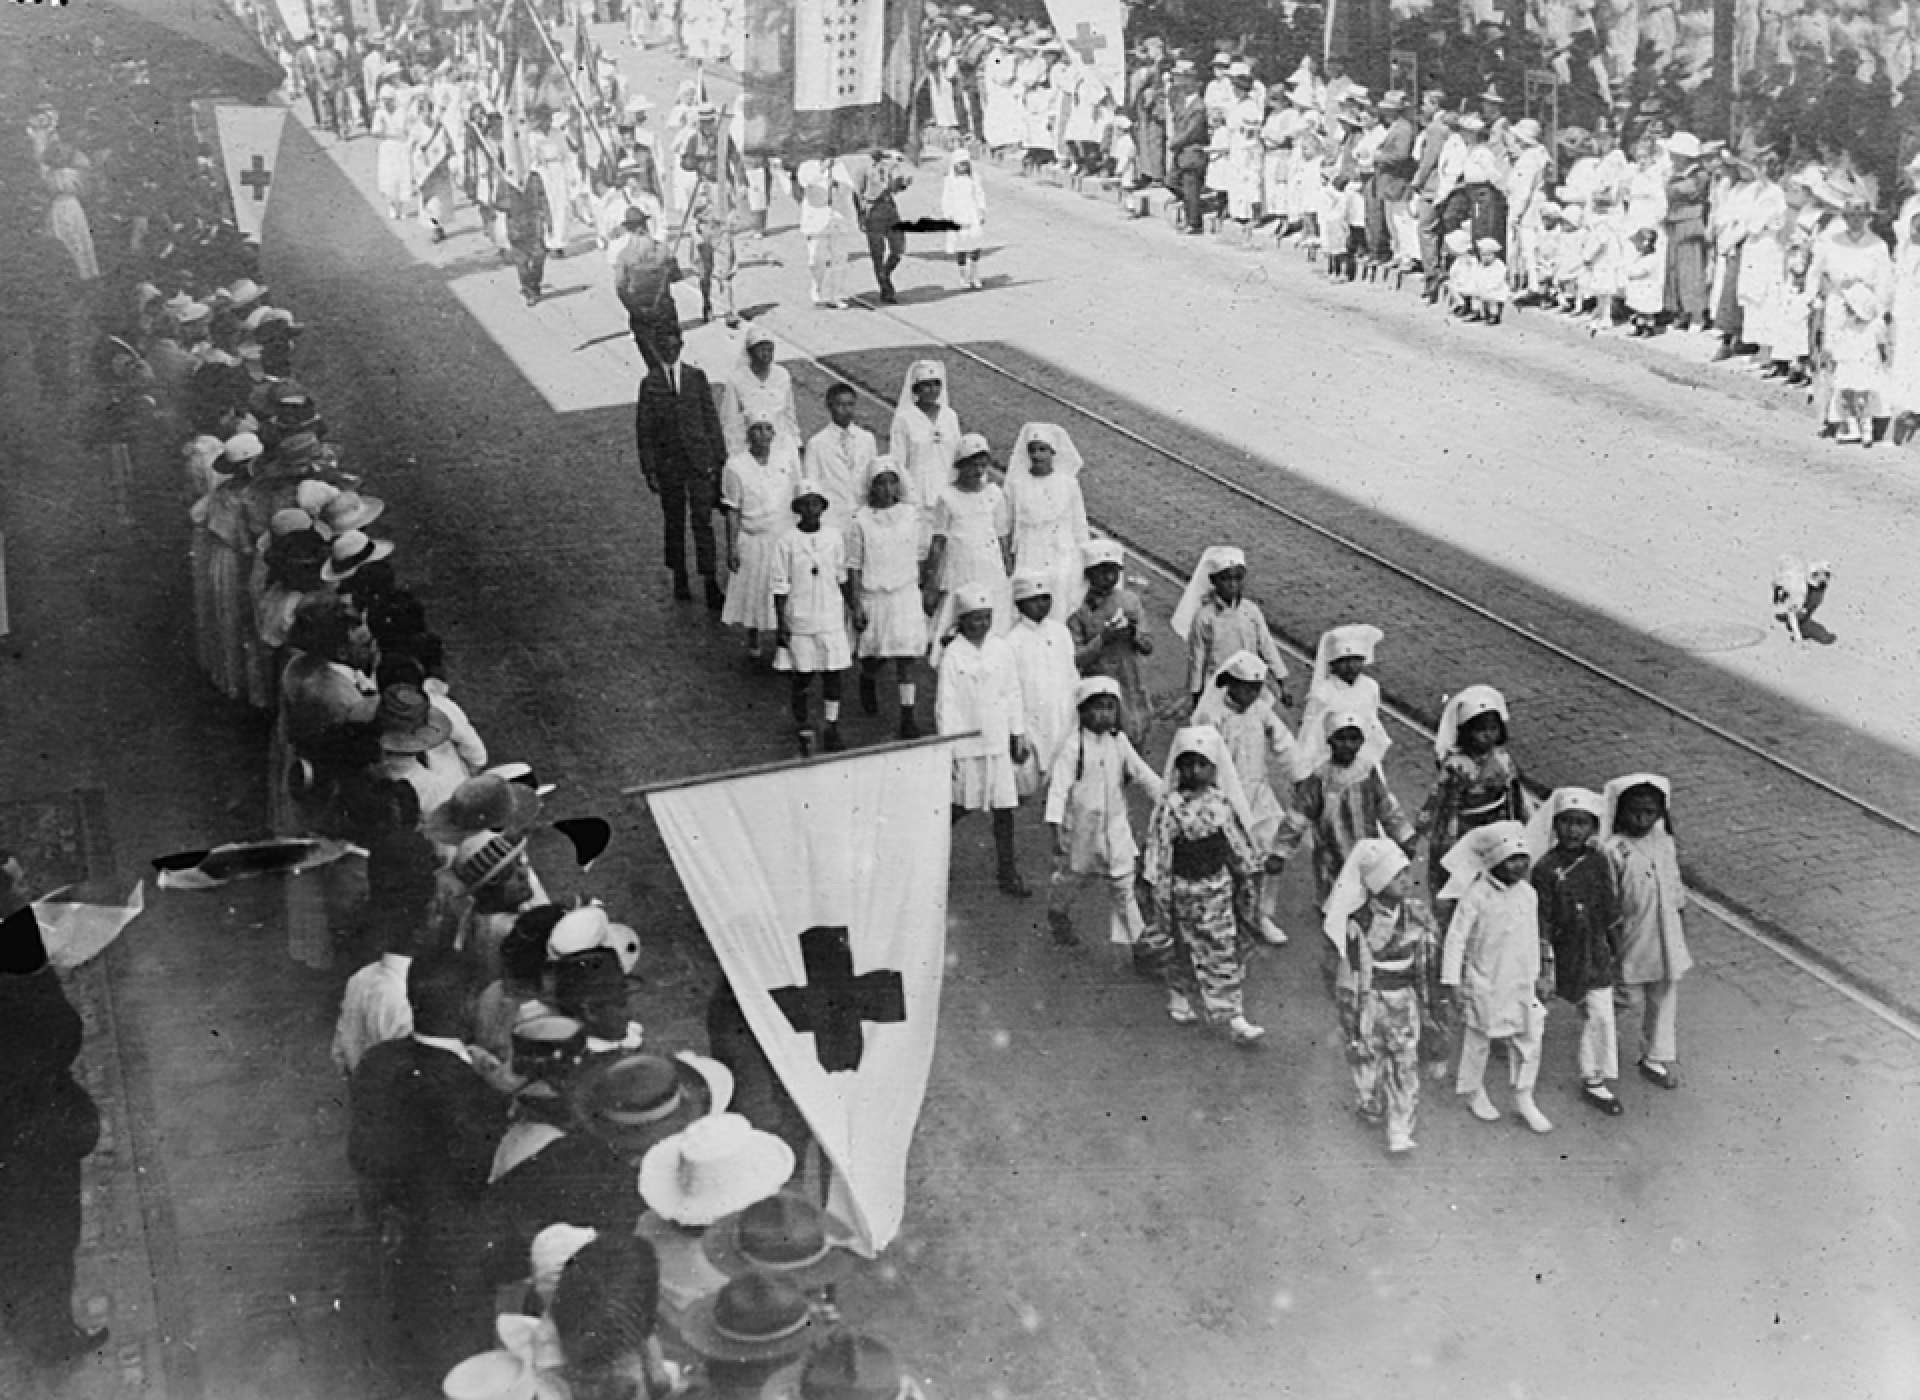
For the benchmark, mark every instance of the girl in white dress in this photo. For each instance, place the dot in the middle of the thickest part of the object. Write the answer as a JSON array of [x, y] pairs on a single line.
[[925, 434], [979, 694], [393, 165], [1049, 514], [963, 199], [970, 526], [758, 388], [756, 499], [811, 591], [885, 547]]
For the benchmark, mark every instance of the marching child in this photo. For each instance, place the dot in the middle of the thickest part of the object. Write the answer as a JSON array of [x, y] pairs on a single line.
[[1109, 635], [812, 597], [1215, 619], [1580, 917], [1479, 781], [1636, 832], [1201, 864], [1644, 283], [1492, 963], [1043, 659], [1490, 289], [1239, 707], [1384, 941], [1087, 813], [1340, 682], [884, 550], [979, 690], [1346, 799], [756, 495]]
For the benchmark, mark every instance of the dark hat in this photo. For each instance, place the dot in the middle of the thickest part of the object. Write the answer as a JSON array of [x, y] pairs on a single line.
[[751, 1318], [409, 721], [586, 979], [547, 1048], [847, 1366], [786, 1236], [22, 949], [639, 1100], [633, 218], [485, 802]]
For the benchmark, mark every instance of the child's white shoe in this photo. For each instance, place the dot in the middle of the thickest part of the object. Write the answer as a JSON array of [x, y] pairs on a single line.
[[1179, 1010], [1244, 1032], [1271, 932], [1482, 1107], [1530, 1112]]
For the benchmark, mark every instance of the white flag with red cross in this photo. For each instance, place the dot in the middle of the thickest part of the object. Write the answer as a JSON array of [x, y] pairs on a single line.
[[1095, 34], [250, 154], [823, 888]]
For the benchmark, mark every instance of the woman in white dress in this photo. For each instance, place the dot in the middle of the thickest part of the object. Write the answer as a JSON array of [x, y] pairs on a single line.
[[1851, 280], [971, 523], [1002, 118], [393, 166], [827, 223], [885, 547], [552, 160], [925, 434], [1049, 516], [758, 388], [756, 495], [963, 200]]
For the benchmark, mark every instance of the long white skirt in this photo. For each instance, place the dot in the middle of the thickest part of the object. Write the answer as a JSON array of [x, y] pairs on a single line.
[[750, 591]]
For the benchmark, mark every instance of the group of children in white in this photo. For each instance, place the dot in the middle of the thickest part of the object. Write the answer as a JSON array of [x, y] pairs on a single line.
[[840, 551]]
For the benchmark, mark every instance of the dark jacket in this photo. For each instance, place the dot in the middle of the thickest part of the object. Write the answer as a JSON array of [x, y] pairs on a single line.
[[1189, 132], [678, 435], [1393, 160], [424, 1126]]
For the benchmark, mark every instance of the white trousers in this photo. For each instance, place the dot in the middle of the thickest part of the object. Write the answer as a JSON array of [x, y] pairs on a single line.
[[1599, 1038], [1657, 1004], [1523, 1058], [1124, 925]]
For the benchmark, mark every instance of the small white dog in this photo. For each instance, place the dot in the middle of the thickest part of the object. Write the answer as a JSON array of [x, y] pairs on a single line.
[[1798, 590]]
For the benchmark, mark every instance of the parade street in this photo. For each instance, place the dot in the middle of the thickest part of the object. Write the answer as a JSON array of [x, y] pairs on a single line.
[[1101, 1203]]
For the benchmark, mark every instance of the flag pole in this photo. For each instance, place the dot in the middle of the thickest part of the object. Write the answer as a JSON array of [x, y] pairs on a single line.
[[760, 769]]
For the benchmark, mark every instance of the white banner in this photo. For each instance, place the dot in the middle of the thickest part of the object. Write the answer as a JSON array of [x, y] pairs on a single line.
[[823, 888], [250, 152], [1095, 33], [839, 53]]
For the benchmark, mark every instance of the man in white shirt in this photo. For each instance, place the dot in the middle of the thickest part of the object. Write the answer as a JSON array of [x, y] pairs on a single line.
[[839, 456], [374, 1007]]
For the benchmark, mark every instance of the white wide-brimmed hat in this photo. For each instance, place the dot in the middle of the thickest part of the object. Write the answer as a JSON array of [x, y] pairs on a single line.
[[716, 1166]]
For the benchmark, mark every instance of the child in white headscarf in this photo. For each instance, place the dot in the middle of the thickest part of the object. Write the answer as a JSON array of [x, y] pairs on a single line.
[[884, 548], [1202, 866], [1340, 682], [1479, 781], [1215, 619], [1383, 940], [1043, 656], [1636, 832], [1087, 811], [963, 201], [1492, 963], [1237, 704], [979, 692], [969, 527], [1049, 513], [925, 434]]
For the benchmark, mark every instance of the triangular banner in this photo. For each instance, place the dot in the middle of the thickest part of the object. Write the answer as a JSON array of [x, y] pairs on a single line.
[[250, 153], [823, 888]]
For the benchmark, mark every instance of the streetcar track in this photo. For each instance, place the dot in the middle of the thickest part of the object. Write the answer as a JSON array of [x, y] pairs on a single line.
[[1788, 949]]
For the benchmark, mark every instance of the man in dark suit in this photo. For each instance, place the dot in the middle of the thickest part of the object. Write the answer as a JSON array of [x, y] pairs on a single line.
[[422, 1135], [677, 427], [1187, 140]]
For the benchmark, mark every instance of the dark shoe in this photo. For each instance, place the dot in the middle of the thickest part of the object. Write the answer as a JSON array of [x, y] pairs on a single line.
[[1061, 927], [909, 725], [869, 696], [805, 737], [1011, 883], [889, 298], [75, 1343], [1602, 1098], [1371, 1110], [830, 740], [1663, 1075], [716, 595], [681, 591]]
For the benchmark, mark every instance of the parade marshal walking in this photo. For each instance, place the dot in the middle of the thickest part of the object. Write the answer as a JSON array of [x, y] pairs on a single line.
[[677, 428]]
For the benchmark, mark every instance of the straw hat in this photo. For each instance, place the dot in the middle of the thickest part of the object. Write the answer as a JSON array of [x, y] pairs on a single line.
[[487, 802], [717, 1165], [785, 1236], [751, 1318], [351, 550], [638, 1101], [410, 722], [349, 510], [484, 856]]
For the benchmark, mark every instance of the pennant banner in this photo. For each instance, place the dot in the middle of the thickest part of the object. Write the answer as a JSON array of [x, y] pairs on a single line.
[[250, 153], [823, 888], [77, 923], [1094, 32]]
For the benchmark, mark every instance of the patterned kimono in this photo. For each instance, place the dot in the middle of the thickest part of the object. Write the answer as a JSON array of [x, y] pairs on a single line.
[[1389, 948], [1345, 806], [1201, 864], [1471, 793]]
